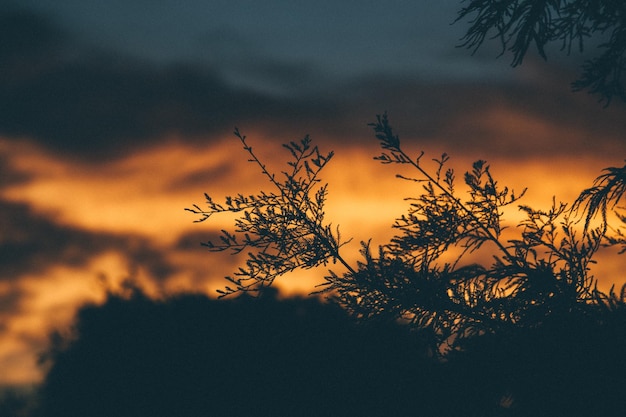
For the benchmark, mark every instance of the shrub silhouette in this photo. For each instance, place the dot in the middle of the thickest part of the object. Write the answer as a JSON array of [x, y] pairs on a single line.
[[192, 356], [572, 365], [16, 402], [541, 270], [526, 333]]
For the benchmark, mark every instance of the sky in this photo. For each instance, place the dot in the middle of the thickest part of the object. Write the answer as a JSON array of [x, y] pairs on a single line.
[[115, 116]]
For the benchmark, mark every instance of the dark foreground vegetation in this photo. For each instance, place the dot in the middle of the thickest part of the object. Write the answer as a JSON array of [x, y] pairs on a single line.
[[506, 323], [195, 356], [404, 332]]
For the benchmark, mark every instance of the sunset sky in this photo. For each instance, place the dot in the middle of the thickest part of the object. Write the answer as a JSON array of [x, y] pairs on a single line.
[[116, 115]]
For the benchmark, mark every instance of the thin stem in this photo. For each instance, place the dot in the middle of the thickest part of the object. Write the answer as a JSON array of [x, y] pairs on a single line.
[[458, 202], [332, 249]]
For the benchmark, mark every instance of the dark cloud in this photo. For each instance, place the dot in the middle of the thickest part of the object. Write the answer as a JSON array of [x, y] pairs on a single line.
[[202, 176], [8, 176], [27, 39], [192, 241], [245, 61], [9, 304], [459, 116], [31, 243], [216, 265], [101, 105]]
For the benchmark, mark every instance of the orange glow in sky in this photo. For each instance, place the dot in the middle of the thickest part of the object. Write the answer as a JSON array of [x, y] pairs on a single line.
[[138, 202]]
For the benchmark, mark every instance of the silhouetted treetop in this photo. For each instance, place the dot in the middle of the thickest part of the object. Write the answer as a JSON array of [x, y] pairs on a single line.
[[190, 356], [521, 24], [282, 230], [450, 271]]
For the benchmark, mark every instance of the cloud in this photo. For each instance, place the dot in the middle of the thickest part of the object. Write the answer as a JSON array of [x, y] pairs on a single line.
[[10, 296], [28, 39], [531, 118], [101, 105], [48, 269], [8, 176], [32, 243]]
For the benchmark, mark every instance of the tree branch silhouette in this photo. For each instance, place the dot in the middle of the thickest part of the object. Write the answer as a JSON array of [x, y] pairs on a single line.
[[520, 24], [285, 228], [435, 274]]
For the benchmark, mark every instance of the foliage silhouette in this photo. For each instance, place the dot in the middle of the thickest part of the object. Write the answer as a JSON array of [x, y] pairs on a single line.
[[17, 402], [572, 365], [433, 273], [519, 24], [285, 227], [193, 356]]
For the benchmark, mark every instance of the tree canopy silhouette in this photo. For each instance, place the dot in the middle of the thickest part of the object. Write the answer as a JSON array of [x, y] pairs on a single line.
[[450, 269], [510, 313], [191, 356], [520, 24]]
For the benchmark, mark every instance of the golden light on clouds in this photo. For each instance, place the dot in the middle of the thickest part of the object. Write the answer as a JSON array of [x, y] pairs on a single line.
[[139, 193], [49, 303], [133, 209]]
